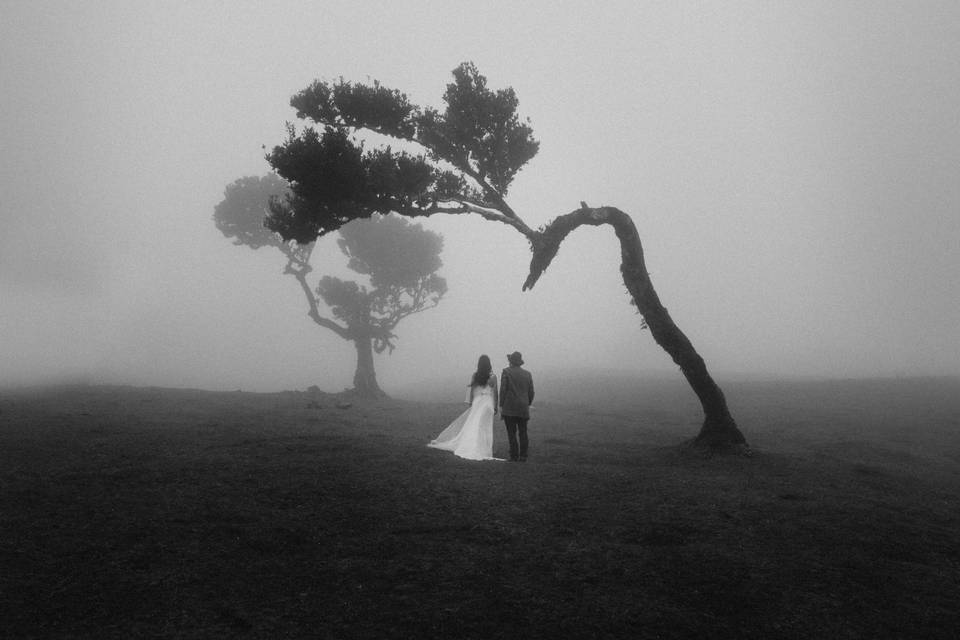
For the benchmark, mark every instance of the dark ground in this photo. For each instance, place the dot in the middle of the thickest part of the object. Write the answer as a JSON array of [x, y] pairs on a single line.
[[161, 513]]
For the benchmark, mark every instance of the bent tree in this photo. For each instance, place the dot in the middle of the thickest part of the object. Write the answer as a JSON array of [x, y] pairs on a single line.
[[467, 156], [399, 258]]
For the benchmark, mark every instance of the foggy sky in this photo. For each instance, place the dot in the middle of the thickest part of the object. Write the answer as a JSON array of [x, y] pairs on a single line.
[[792, 169]]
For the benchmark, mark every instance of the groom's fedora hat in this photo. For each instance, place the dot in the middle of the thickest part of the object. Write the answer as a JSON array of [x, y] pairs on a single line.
[[515, 358]]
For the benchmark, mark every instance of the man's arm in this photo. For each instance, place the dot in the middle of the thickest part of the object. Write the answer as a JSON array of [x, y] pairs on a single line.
[[503, 388], [530, 400]]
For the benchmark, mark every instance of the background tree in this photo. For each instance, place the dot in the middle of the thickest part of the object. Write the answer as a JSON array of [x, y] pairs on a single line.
[[471, 153], [399, 258]]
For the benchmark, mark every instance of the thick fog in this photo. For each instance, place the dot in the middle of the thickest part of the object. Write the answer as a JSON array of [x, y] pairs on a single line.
[[792, 169]]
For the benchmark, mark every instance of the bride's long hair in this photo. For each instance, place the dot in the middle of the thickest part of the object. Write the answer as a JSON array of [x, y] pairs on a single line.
[[482, 374]]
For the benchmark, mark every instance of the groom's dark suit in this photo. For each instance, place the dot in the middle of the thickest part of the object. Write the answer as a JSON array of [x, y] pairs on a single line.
[[516, 395]]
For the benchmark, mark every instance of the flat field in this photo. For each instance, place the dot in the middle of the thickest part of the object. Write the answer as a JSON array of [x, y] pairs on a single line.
[[168, 513]]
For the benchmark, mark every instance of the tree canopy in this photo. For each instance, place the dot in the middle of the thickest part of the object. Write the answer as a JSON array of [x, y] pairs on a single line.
[[472, 152]]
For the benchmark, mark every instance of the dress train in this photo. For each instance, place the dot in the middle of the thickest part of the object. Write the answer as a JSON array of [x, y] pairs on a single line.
[[470, 435]]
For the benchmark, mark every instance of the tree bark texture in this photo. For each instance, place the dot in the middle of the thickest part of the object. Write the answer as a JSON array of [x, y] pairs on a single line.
[[365, 378], [719, 430]]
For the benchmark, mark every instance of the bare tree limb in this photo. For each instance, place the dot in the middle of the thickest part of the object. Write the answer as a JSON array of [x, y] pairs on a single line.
[[301, 275], [461, 205], [546, 243]]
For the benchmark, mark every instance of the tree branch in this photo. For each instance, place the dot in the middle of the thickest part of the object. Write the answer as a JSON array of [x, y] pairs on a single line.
[[463, 205], [463, 165], [297, 254], [546, 243], [314, 312], [402, 311], [489, 191]]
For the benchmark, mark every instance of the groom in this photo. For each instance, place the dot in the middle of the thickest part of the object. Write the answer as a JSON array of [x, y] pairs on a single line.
[[516, 395]]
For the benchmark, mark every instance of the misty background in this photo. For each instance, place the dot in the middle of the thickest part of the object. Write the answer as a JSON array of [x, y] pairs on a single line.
[[792, 170]]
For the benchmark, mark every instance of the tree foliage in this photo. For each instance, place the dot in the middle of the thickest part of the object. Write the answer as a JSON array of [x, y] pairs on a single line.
[[472, 152], [241, 213]]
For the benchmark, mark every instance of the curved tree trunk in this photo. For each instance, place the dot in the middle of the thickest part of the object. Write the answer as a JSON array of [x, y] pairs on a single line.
[[365, 378], [719, 430]]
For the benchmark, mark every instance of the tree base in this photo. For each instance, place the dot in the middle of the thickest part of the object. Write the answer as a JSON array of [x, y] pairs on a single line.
[[367, 394], [718, 437]]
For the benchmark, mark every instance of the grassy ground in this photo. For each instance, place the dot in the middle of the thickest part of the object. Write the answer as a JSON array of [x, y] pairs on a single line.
[[137, 513]]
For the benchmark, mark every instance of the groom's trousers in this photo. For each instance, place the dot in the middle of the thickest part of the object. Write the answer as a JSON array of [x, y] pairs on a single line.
[[516, 426]]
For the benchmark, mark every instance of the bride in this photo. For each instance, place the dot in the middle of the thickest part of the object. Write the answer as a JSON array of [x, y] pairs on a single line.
[[471, 434]]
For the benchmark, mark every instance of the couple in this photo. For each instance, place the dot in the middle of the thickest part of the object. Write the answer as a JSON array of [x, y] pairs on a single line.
[[471, 434]]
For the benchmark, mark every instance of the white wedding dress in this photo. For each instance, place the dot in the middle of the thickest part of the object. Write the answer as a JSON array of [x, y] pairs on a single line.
[[471, 434]]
